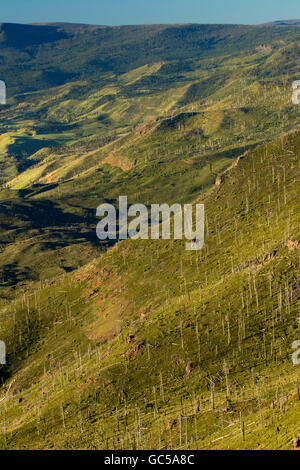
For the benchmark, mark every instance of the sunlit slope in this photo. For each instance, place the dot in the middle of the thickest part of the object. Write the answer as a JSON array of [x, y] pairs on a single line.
[[50, 228], [68, 99], [68, 132], [167, 159], [151, 346]]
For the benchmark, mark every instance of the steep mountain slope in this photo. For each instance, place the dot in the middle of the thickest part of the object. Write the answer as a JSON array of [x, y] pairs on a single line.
[[159, 130], [143, 344], [152, 346]]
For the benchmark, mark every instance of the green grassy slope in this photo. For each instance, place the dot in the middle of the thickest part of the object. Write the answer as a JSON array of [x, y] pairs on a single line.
[[46, 226], [142, 344], [63, 104], [151, 346], [163, 141]]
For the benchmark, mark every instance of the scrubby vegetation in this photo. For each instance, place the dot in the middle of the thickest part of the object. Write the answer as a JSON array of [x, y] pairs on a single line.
[[142, 344]]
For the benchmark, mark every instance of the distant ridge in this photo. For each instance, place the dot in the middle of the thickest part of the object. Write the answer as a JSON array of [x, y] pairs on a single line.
[[69, 26], [85, 25], [284, 23]]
